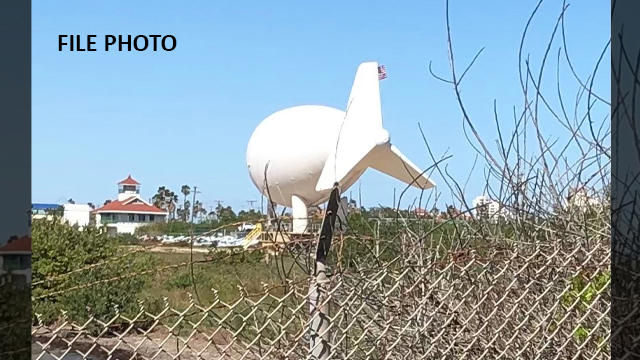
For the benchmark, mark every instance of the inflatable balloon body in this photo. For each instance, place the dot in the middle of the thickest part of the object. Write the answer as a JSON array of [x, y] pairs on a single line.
[[296, 155]]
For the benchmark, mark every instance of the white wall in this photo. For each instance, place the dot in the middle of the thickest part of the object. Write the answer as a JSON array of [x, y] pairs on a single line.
[[127, 194], [77, 214], [121, 223], [127, 227]]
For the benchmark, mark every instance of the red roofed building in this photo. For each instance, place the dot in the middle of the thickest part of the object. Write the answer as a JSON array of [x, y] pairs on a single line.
[[129, 181], [129, 211], [15, 261]]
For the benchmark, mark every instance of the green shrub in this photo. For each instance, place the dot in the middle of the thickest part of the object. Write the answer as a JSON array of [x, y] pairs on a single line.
[[126, 239], [585, 291], [84, 272], [15, 302], [182, 280]]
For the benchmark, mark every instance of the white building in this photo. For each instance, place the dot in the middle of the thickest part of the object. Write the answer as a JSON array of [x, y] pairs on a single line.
[[129, 211], [486, 208], [77, 214], [579, 198], [44, 211], [74, 214]]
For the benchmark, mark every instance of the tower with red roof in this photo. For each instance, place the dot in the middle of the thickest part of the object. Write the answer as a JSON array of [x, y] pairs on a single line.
[[128, 187], [129, 211]]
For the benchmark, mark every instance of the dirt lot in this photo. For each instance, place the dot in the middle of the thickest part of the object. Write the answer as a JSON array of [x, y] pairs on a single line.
[[161, 342], [172, 249]]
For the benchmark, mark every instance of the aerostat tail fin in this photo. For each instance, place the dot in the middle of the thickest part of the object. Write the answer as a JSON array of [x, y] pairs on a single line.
[[389, 160], [361, 128], [363, 142]]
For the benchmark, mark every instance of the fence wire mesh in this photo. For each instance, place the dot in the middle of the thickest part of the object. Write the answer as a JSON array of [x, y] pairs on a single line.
[[533, 286], [533, 301]]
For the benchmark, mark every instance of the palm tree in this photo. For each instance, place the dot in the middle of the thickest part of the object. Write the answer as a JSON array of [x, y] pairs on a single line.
[[198, 209], [186, 190], [160, 198], [173, 200], [181, 213], [186, 210], [171, 208], [166, 200]]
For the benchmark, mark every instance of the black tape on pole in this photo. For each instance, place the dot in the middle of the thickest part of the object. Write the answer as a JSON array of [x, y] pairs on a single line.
[[328, 225]]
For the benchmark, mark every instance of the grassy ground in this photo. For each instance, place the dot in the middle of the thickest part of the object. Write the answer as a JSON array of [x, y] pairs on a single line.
[[221, 271]]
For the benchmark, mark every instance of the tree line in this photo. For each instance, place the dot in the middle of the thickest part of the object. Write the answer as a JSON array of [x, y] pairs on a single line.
[[185, 211]]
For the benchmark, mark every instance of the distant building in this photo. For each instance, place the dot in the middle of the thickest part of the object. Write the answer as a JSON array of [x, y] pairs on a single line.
[[77, 214], [15, 262], [74, 214], [579, 198], [420, 212], [129, 211], [488, 209], [45, 211]]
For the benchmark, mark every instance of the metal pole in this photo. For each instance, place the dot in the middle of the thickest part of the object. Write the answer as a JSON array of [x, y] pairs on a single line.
[[359, 195], [394, 198], [319, 334], [193, 204], [319, 346]]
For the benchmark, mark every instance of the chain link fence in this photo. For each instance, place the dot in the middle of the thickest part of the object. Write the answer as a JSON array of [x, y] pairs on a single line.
[[535, 285], [544, 300]]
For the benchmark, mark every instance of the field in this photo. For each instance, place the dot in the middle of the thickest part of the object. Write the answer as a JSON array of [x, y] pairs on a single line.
[[223, 271]]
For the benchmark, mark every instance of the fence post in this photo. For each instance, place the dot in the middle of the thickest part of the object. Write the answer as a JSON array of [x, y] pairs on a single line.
[[319, 346], [319, 334]]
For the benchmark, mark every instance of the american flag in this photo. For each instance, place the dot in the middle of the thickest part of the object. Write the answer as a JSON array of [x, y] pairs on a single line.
[[382, 72]]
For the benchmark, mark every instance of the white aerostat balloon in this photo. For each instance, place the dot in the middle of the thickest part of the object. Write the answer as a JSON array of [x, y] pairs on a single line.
[[304, 150]]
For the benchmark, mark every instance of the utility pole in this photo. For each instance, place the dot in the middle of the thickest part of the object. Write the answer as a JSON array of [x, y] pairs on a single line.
[[193, 204], [359, 195], [251, 202], [394, 198]]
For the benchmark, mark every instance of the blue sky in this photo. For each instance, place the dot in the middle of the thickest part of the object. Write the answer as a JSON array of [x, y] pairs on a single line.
[[185, 117]]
